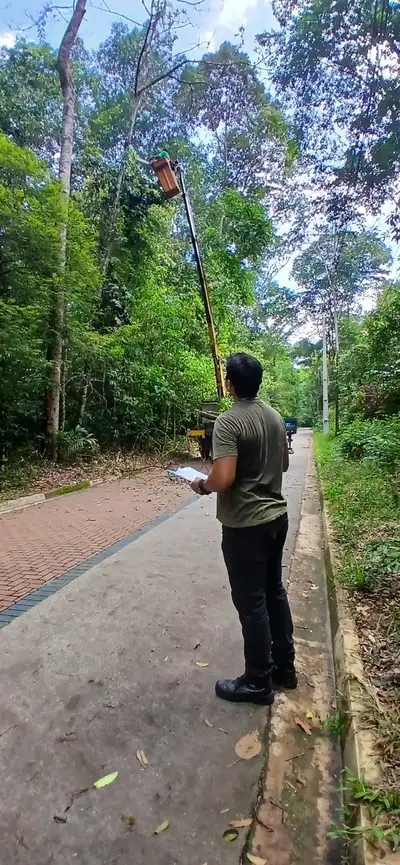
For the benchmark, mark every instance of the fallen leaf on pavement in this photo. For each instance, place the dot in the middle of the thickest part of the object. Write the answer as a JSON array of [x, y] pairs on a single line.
[[208, 723], [241, 824], [225, 811], [256, 859], [141, 756], [58, 819], [303, 726], [230, 835], [248, 746], [162, 827], [201, 664], [108, 779], [128, 819], [310, 716]]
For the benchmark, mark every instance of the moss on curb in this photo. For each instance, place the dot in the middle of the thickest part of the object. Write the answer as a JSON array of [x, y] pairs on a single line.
[[71, 488]]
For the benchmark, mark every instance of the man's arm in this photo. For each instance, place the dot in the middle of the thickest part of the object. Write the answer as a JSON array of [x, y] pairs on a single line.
[[223, 472]]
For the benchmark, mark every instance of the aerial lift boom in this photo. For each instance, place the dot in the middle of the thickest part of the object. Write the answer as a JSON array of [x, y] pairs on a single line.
[[172, 180]]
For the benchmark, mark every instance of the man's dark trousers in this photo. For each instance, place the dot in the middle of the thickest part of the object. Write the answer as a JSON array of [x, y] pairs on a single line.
[[253, 557]]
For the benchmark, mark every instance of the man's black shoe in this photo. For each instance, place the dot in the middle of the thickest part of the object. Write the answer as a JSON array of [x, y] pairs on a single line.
[[284, 677], [242, 691]]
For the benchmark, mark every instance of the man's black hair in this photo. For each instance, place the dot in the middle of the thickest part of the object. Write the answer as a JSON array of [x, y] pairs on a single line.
[[245, 374]]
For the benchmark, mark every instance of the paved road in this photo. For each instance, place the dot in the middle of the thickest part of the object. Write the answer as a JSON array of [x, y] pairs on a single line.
[[108, 665], [44, 541]]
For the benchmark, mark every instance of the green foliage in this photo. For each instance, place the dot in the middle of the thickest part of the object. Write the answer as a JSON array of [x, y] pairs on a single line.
[[76, 443], [384, 810], [363, 505], [30, 109], [369, 368], [334, 65], [136, 358], [331, 281], [382, 557], [376, 440], [334, 724]]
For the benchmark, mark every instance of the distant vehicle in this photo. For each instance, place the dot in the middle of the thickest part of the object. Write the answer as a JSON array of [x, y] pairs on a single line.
[[291, 430]]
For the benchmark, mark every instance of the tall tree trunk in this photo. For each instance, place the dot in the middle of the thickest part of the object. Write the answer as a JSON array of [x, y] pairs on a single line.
[[63, 386], [64, 172], [84, 396], [337, 389]]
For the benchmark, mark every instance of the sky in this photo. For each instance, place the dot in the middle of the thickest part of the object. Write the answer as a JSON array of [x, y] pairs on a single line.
[[214, 22]]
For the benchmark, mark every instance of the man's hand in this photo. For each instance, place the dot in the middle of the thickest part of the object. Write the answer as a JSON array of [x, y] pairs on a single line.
[[195, 486]]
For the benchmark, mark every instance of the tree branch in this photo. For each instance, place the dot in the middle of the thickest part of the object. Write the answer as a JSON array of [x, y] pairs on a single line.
[[161, 77]]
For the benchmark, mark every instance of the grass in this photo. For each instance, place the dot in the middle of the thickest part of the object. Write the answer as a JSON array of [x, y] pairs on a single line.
[[334, 724], [362, 507], [364, 514], [383, 809]]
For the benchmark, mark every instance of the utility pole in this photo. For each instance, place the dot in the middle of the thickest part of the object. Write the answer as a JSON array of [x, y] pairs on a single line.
[[325, 403]]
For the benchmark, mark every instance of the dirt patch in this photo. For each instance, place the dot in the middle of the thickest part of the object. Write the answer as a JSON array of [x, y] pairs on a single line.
[[44, 476]]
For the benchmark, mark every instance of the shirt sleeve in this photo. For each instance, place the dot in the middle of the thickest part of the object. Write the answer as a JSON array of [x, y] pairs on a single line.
[[225, 443]]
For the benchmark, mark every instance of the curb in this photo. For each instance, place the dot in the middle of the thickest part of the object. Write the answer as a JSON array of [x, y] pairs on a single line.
[[23, 502], [359, 750]]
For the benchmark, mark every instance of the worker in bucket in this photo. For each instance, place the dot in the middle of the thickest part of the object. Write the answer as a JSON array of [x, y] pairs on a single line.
[[250, 453]]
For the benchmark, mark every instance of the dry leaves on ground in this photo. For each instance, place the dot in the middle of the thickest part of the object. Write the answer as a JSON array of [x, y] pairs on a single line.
[[303, 726], [141, 757], [201, 664], [256, 860], [241, 824], [248, 746]]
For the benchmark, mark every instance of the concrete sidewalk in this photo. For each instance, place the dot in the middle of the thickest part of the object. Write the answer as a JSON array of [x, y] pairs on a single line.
[[107, 666]]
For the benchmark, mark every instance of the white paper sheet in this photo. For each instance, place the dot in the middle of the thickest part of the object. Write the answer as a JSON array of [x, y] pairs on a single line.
[[187, 474]]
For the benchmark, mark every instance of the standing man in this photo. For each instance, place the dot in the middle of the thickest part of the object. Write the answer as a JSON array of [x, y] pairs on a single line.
[[249, 455]]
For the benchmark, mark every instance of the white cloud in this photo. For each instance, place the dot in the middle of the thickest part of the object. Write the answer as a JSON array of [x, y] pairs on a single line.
[[234, 14], [8, 38], [225, 18]]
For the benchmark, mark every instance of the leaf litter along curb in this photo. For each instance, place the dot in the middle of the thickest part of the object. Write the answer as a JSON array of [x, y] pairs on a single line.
[[303, 726]]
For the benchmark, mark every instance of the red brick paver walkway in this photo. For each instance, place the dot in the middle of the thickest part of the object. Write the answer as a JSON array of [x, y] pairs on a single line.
[[44, 541]]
